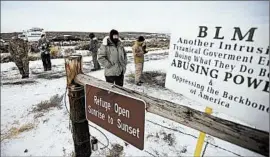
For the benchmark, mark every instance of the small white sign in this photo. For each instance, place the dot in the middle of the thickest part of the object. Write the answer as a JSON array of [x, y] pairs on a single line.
[[223, 67]]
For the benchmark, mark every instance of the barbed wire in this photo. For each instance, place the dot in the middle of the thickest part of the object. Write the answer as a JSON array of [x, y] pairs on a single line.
[[193, 137], [205, 148], [108, 142], [149, 153], [176, 130]]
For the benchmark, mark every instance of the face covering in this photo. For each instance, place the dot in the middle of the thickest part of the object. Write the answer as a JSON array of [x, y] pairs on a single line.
[[115, 39]]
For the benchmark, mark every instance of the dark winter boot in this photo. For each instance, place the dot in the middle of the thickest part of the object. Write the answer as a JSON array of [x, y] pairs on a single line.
[[25, 76]]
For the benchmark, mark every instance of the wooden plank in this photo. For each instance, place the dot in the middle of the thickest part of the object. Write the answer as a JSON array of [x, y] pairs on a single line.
[[243, 136]]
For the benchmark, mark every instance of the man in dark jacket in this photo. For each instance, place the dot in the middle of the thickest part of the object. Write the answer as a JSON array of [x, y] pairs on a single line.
[[43, 45], [113, 57], [93, 47]]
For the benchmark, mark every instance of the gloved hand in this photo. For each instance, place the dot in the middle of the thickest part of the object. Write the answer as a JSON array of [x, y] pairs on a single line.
[[144, 49], [138, 54]]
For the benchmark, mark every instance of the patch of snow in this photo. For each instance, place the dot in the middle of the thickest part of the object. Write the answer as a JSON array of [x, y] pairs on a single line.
[[128, 48], [52, 137]]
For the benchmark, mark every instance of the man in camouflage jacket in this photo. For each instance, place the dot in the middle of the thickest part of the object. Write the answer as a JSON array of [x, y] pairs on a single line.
[[18, 49]]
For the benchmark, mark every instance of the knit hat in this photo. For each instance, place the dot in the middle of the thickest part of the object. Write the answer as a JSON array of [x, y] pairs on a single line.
[[113, 32], [91, 35], [141, 38]]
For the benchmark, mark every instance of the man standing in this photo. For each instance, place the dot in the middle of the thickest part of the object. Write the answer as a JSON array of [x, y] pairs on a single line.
[[113, 57], [93, 47], [18, 49], [43, 45], [139, 49]]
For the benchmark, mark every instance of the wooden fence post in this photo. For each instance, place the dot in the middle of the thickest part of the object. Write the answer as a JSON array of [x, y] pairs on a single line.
[[80, 128]]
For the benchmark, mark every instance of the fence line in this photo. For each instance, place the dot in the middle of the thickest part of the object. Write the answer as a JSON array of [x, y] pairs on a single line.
[[243, 136], [108, 142]]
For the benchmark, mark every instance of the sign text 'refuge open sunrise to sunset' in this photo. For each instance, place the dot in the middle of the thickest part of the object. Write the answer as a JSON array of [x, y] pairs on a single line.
[[119, 114], [223, 67]]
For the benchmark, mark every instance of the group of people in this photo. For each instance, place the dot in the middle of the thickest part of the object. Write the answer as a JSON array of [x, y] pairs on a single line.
[[111, 55], [19, 48]]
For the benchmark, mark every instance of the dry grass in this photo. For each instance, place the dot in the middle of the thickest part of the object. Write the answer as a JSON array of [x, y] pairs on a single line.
[[38, 115], [153, 78], [150, 45], [169, 138], [69, 51], [116, 151], [55, 52], [51, 76], [34, 56], [14, 132], [31, 56], [131, 76], [19, 82], [44, 106]]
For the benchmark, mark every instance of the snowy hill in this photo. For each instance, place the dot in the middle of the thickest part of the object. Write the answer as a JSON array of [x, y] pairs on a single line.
[[35, 121]]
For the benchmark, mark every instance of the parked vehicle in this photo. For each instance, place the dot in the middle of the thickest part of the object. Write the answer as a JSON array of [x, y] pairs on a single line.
[[33, 34]]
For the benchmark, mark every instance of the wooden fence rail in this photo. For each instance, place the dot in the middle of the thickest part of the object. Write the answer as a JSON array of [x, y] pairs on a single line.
[[243, 136]]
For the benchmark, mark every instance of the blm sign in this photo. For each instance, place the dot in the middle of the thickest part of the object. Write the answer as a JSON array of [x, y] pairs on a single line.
[[119, 114], [225, 67]]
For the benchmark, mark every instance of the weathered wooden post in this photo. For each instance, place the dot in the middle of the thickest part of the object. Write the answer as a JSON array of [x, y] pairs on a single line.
[[80, 129]]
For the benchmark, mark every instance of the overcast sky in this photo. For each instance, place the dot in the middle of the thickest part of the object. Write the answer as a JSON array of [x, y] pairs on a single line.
[[151, 16]]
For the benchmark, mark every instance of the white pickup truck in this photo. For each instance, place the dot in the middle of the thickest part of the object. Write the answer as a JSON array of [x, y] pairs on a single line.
[[32, 36]]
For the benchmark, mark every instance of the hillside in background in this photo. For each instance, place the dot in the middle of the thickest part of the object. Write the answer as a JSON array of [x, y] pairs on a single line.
[[84, 35]]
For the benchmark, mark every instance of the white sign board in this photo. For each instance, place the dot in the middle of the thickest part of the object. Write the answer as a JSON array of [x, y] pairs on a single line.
[[223, 67]]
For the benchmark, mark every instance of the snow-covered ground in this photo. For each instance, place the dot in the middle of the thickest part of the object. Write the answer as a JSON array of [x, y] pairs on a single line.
[[51, 135]]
